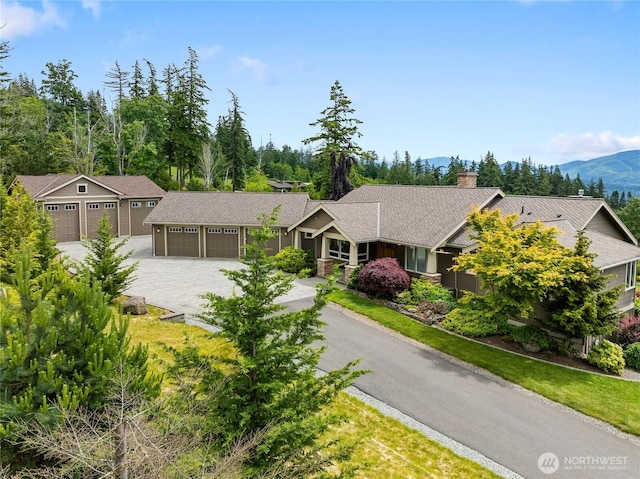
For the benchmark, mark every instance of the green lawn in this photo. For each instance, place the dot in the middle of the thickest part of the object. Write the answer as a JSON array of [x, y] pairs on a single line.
[[385, 448], [610, 399]]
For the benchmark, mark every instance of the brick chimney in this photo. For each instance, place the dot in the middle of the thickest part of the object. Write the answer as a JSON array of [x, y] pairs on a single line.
[[467, 179]]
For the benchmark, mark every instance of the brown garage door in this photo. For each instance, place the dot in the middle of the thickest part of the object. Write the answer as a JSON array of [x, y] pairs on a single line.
[[95, 211], [182, 241], [139, 211], [66, 221], [222, 242]]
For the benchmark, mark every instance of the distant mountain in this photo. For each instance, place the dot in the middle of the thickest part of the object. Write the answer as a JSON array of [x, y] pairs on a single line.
[[620, 171]]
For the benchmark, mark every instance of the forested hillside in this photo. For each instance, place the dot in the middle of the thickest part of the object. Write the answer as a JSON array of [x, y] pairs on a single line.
[[158, 127]]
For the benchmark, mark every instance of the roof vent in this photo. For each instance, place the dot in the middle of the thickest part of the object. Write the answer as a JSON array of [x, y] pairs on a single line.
[[581, 192]]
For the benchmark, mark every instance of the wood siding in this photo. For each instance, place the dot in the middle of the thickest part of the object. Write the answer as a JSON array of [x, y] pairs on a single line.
[[603, 223]]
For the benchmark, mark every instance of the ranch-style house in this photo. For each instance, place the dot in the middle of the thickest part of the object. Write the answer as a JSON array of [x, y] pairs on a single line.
[[423, 227]]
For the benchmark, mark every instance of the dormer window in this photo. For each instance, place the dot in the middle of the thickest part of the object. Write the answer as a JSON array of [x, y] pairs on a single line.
[[82, 189]]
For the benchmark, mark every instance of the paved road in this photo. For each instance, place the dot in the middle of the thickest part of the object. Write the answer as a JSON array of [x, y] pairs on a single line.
[[504, 423]]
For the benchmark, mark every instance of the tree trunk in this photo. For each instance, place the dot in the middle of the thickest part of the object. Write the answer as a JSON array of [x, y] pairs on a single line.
[[120, 460]]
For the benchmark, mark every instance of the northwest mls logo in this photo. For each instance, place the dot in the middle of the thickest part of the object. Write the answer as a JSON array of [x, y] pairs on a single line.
[[548, 463]]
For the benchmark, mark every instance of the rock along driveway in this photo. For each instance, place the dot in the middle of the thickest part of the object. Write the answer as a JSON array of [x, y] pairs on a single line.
[[510, 430]]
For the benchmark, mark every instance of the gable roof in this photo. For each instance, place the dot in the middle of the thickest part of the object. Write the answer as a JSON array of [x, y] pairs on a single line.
[[421, 215], [39, 187], [578, 210], [238, 208], [358, 222]]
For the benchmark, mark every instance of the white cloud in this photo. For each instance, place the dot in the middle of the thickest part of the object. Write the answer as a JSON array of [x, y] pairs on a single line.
[[22, 21], [94, 6], [208, 52], [589, 145], [255, 67]]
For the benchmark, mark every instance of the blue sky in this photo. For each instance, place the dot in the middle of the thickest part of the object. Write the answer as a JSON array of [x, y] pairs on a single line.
[[553, 80]]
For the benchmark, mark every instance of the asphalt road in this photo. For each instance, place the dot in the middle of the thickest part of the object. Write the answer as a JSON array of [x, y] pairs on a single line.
[[517, 429]]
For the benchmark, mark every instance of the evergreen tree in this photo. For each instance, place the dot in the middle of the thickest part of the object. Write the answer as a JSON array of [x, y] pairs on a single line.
[[338, 134], [489, 173], [59, 345], [234, 142], [580, 305], [18, 226], [630, 216], [272, 383], [456, 165], [105, 265]]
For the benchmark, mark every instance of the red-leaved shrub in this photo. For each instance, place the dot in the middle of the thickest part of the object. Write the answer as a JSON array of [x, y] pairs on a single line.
[[629, 330], [383, 278]]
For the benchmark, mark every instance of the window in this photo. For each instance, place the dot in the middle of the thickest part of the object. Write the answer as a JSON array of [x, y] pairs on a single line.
[[93, 206], [109, 206], [630, 275], [339, 249], [363, 252], [151, 204], [53, 207], [308, 235], [136, 204], [175, 229], [214, 230], [231, 231], [415, 259], [191, 230], [81, 189], [69, 207]]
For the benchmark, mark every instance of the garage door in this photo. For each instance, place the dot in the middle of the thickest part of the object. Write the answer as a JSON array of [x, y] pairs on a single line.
[[95, 211], [66, 221], [182, 241], [223, 242], [273, 245], [139, 211]]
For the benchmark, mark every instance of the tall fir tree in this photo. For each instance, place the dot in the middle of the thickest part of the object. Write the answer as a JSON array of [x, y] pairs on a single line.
[[338, 134], [272, 383]]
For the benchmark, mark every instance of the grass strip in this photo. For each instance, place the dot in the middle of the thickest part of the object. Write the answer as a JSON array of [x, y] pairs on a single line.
[[609, 399]]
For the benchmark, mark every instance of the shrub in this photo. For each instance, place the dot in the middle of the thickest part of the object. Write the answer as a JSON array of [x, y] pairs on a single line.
[[352, 283], [476, 317], [607, 356], [632, 356], [294, 260], [423, 290], [471, 323], [629, 330], [383, 278], [439, 308], [531, 334]]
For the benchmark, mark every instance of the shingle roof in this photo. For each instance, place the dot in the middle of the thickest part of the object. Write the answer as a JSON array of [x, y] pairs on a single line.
[[609, 251], [125, 186], [421, 215], [226, 208], [360, 222], [577, 210]]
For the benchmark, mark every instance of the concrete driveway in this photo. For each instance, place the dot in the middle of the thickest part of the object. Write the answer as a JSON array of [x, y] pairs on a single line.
[[177, 283]]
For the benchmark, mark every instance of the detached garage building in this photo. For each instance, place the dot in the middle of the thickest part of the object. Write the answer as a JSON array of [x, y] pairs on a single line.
[[216, 224], [78, 202]]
